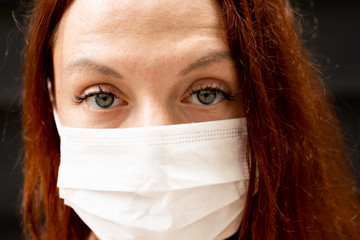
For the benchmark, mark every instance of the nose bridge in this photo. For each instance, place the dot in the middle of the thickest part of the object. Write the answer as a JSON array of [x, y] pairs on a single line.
[[153, 102], [154, 113]]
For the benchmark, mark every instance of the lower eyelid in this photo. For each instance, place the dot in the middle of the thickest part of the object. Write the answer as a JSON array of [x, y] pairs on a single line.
[[84, 97]]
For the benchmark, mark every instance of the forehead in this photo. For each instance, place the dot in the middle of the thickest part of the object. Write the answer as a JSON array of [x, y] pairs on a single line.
[[142, 17], [138, 32]]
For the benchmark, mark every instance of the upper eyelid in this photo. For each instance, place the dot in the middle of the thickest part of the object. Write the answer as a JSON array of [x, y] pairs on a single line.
[[98, 89], [194, 90], [86, 94], [210, 85]]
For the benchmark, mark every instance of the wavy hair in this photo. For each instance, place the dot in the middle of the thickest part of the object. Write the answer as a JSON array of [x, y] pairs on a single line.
[[305, 188]]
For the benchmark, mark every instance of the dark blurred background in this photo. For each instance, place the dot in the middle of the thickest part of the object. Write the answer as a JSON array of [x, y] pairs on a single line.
[[332, 33]]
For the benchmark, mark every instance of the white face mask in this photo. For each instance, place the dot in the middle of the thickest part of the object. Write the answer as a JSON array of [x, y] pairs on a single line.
[[186, 181]]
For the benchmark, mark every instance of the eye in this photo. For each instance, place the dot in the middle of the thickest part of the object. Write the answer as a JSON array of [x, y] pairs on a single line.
[[205, 97], [100, 99], [208, 96]]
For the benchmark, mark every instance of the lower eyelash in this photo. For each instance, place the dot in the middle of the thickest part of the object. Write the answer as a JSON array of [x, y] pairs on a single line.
[[218, 90]]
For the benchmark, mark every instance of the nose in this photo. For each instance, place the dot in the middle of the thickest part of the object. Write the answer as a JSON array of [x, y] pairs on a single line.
[[152, 114]]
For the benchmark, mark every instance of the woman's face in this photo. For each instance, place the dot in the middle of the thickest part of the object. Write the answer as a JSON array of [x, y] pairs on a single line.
[[124, 63]]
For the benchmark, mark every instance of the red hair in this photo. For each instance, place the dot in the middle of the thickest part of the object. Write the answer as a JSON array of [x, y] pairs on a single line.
[[305, 188]]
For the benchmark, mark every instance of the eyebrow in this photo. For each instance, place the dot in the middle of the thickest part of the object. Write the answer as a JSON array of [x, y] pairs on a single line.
[[105, 70], [208, 60], [92, 65]]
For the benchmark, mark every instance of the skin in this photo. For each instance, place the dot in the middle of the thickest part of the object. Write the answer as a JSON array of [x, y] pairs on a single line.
[[152, 56]]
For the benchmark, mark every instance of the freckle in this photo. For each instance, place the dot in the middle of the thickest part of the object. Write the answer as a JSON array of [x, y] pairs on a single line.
[[133, 65], [154, 72]]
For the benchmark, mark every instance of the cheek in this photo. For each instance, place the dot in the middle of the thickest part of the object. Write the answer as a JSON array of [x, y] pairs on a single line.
[[67, 111], [221, 111], [63, 108], [71, 114]]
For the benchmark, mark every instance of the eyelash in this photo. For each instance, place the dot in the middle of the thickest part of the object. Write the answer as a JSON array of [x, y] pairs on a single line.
[[228, 96], [84, 96]]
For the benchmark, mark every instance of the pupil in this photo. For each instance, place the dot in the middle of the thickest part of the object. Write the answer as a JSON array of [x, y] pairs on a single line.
[[206, 96], [104, 100]]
